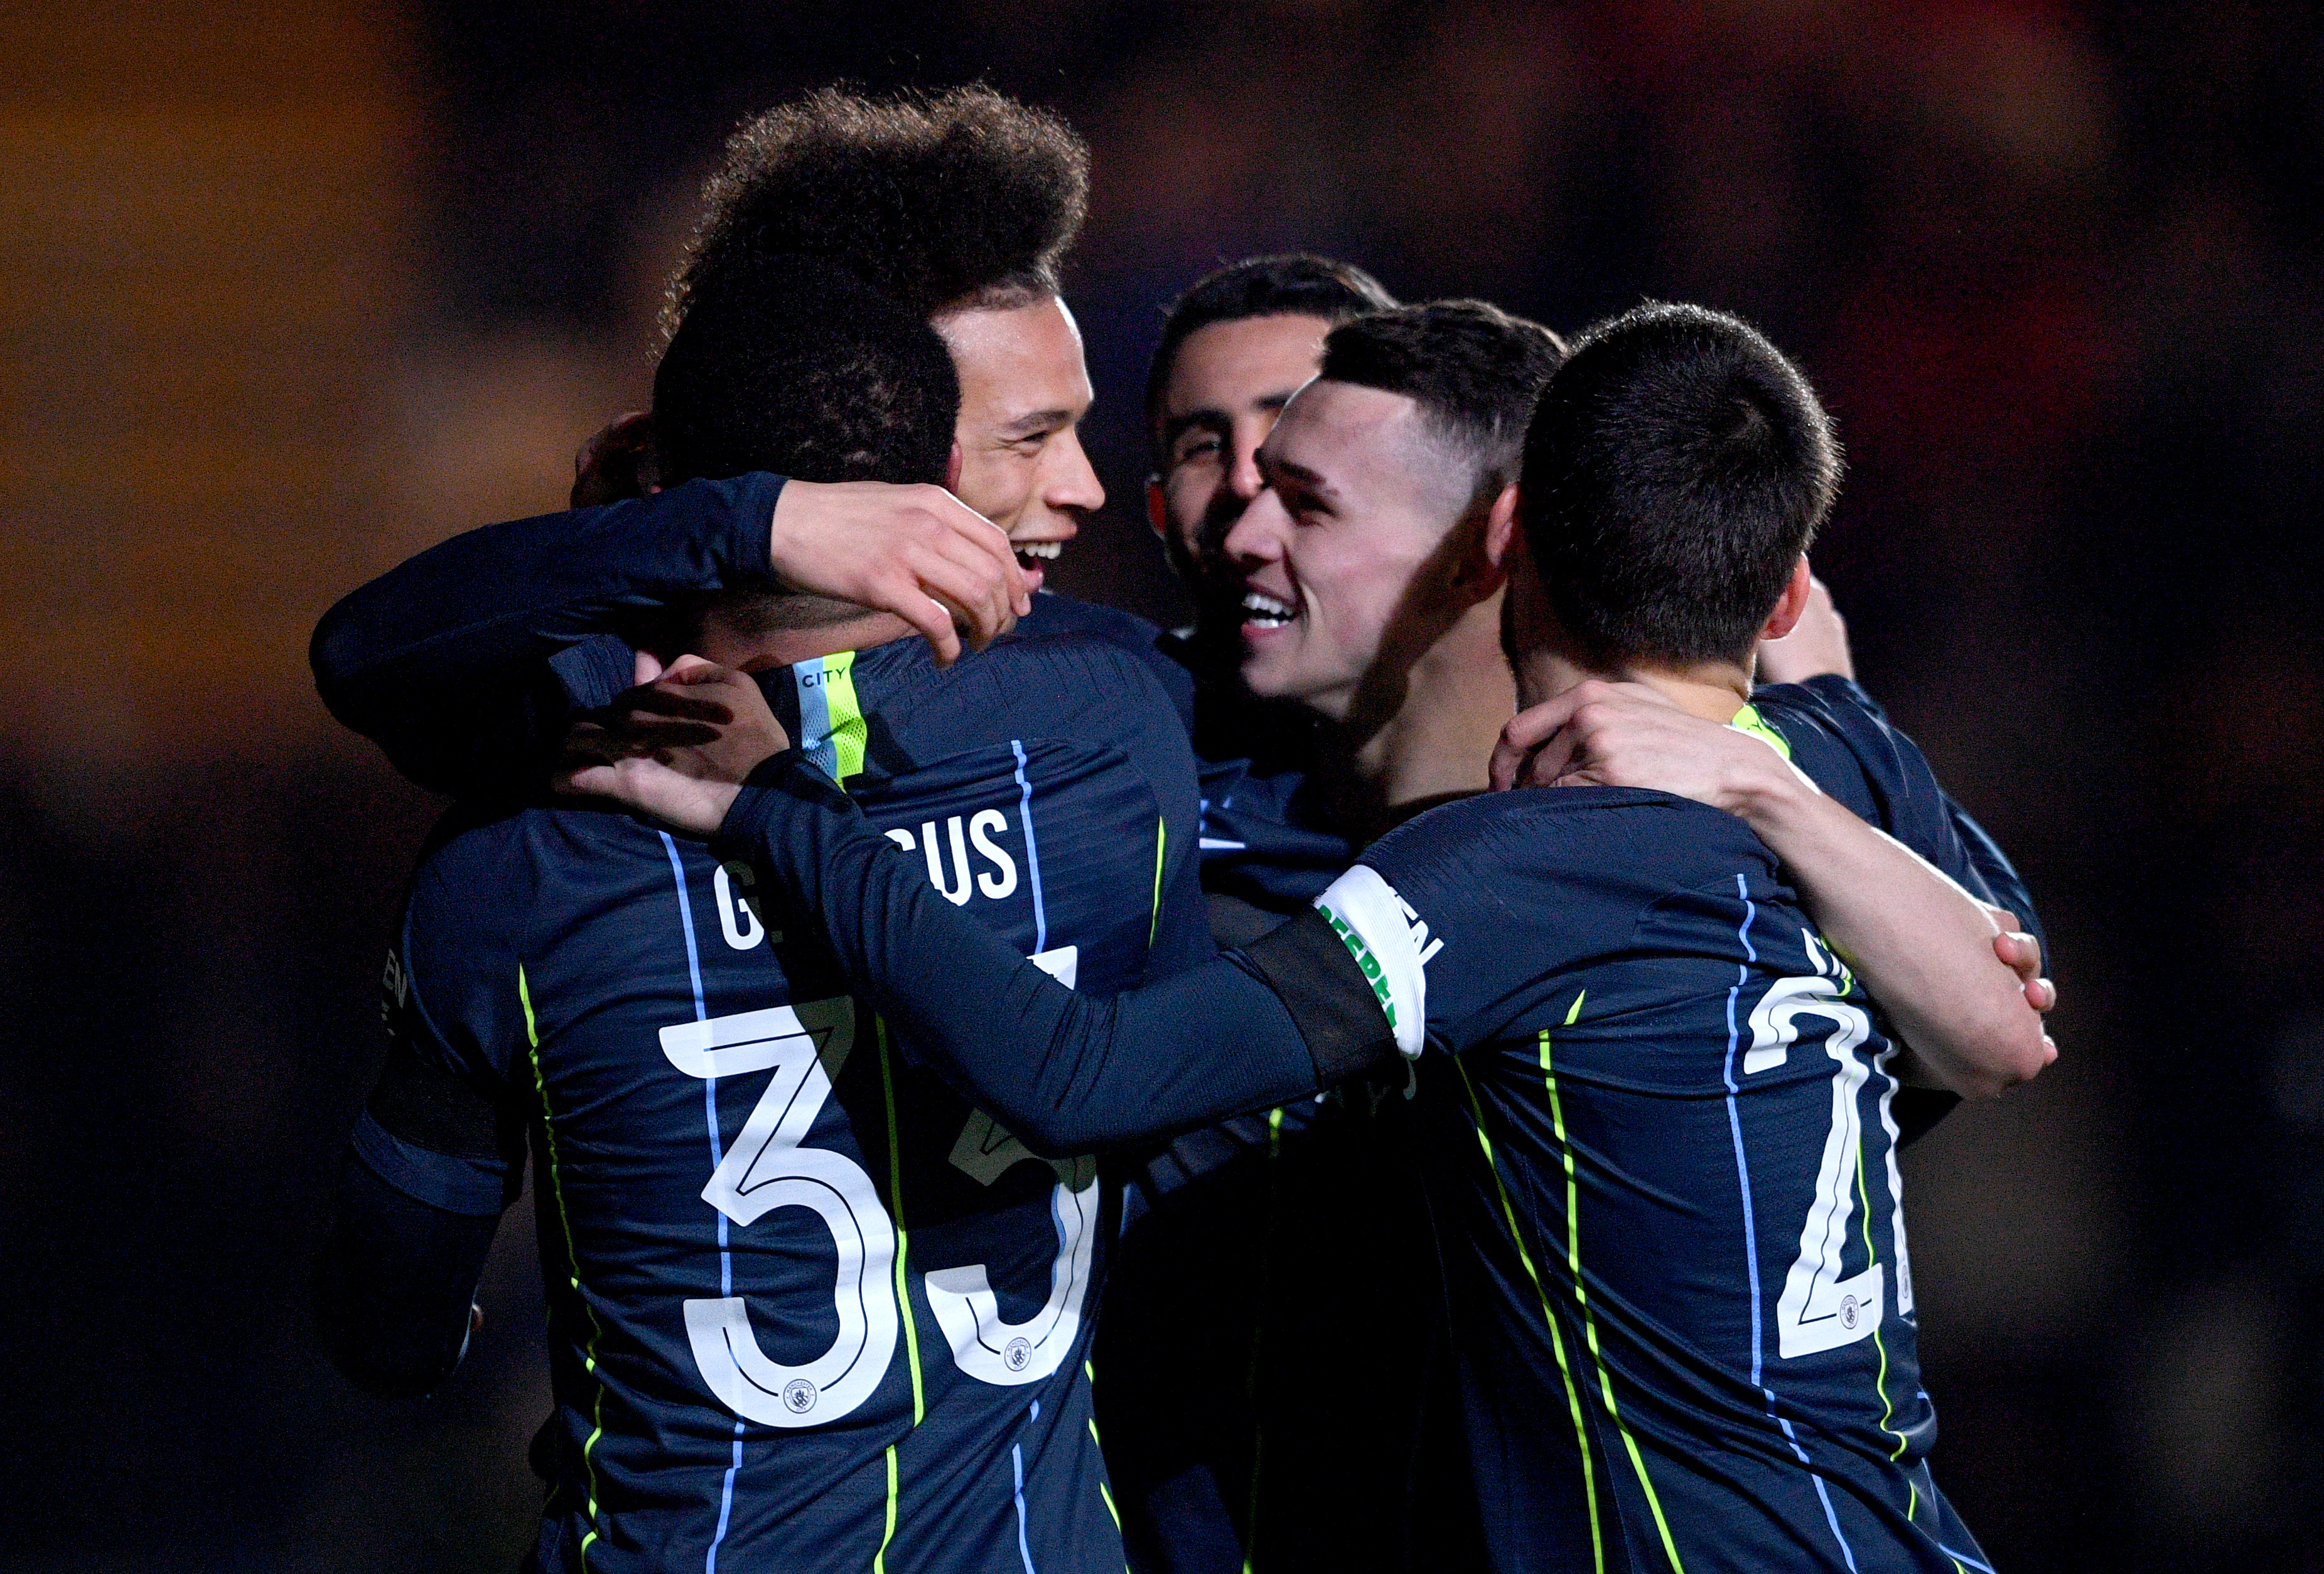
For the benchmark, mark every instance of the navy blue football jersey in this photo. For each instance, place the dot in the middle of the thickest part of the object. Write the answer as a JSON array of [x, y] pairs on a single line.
[[1657, 1146], [811, 1308], [1652, 1118]]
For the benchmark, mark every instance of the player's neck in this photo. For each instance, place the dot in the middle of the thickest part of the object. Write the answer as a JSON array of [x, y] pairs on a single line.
[[1437, 743], [757, 652], [1713, 690]]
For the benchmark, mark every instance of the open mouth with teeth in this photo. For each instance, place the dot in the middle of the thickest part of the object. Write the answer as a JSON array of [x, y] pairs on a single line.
[[1262, 612], [1030, 558]]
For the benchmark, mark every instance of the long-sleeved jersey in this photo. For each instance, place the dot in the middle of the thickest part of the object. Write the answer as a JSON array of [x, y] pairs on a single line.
[[821, 1290], [1653, 1117]]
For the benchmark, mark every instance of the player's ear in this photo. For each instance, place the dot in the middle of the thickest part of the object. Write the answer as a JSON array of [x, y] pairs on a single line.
[[1791, 603], [1157, 517], [951, 470], [1501, 527], [1486, 563]]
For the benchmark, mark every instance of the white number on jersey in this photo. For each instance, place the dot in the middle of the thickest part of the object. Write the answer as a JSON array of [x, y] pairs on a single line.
[[1819, 1310], [767, 1168], [982, 1345]]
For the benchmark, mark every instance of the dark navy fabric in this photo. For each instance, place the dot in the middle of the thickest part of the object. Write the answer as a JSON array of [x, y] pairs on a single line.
[[445, 660], [739, 1173], [1659, 1157], [1656, 1150]]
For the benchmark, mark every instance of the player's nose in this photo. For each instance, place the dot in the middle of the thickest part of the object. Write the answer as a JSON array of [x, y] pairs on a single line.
[[1257, 537], [1243, 479], [1074, 486]]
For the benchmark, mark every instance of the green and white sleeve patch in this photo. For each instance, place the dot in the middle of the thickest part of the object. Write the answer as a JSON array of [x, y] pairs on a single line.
[[1389, 944]]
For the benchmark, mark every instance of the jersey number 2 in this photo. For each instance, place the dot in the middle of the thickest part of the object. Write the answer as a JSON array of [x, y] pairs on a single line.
[[1819, 1310]]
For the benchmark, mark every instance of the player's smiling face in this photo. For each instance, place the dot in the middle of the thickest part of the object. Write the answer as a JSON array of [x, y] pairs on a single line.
[[1357, 498], [1228, 381], [1023, 391]]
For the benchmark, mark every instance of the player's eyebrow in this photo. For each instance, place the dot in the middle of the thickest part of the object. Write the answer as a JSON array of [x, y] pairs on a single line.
[[1218, 418], [1039, 420], [1272, 465], [1178, 426]]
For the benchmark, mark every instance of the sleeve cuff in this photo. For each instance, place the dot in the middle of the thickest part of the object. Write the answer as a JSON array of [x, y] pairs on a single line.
[[750, 526]]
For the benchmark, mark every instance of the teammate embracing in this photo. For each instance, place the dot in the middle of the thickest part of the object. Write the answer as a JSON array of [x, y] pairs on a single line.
[[1653, 1098], [818, 1299]]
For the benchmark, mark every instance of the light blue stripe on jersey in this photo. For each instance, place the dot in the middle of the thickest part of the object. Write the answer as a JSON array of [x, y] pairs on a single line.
[[1750, 1226], [718, 1157], [1017, 1466], [1032, 853]]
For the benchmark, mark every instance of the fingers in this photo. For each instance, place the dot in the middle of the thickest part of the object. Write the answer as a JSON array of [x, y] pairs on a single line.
[[993, 598], [1526, 732], [963, 580], [645, 666], [661, 699], [932, 618], [584, 779], [981, 534], [2023, 953]]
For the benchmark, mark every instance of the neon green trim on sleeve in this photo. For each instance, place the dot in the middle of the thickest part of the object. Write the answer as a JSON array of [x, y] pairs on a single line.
[[572, 1261]]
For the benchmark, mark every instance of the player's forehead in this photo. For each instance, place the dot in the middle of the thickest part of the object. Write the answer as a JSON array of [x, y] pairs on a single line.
[[1018, 359], [1346, 431], [1233, 366]]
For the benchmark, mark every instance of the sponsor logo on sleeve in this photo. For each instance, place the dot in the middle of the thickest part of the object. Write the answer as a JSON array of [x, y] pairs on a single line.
[[1391, 945]]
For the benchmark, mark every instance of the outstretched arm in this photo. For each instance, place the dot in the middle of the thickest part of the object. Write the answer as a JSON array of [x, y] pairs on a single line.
[[1067, 1072], [1934, 956], [442, 661]]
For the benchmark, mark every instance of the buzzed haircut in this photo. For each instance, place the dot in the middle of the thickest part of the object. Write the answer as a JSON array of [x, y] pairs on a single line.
[[967, 198], [1474, 369], [790, 364], [1293, 284], [1677, 468]]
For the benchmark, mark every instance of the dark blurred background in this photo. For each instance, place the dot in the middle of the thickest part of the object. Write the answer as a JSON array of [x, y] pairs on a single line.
[[293, 290]]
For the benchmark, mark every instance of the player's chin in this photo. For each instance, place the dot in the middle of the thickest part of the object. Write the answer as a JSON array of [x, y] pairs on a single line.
[[1269, 669]]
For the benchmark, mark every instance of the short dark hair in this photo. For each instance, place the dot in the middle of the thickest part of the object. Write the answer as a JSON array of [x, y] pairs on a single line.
[[790, 364], [1474, 369], [1293, 284], [960, 200], [1678, 466]]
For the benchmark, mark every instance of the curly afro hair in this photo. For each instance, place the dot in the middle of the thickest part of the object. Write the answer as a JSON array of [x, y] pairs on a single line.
[[964, 198]]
